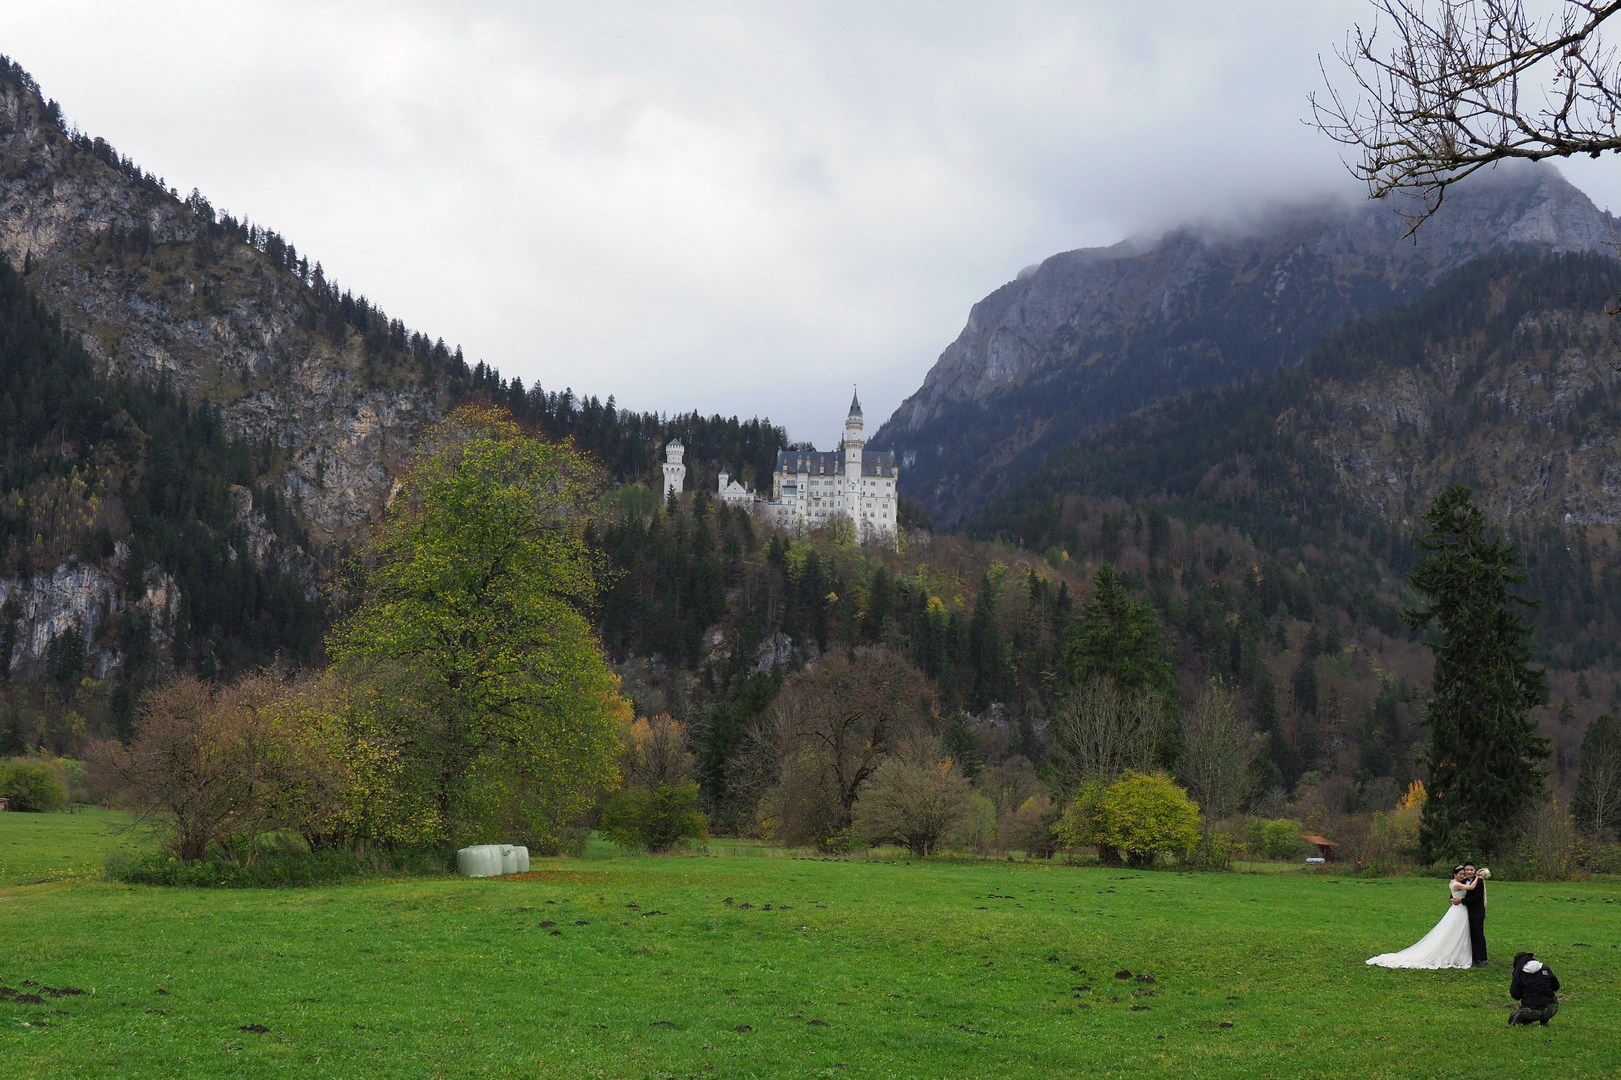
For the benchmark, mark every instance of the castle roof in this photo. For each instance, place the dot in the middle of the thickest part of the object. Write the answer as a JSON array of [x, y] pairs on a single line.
[[855, 404], [831, 462]]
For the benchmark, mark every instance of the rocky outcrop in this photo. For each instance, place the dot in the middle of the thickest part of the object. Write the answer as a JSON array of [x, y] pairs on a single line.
[[1091, 335], [78, 599]]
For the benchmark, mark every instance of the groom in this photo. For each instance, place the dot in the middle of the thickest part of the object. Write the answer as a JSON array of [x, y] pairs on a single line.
[[1474, 903]]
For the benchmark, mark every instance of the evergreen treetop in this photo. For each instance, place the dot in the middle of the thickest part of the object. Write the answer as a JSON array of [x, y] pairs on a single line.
[[1113, 636]]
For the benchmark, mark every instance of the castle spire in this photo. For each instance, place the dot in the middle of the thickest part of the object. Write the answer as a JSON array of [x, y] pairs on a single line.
[[855, 403]]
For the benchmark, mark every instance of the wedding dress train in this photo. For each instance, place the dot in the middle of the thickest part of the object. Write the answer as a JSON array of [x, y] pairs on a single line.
[[1446, 946]]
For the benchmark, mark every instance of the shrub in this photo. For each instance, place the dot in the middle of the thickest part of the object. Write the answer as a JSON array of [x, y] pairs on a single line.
[[1604, 857], [1081, 824], [1548, 847], [1278, 839], [33, 786], [1145, 814], [1028, 828], [916, 797], [1216, 851], [76, 775], [292, 870], [655, 819]]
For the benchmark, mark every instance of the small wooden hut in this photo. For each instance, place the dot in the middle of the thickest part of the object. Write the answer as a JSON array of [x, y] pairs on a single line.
[[1325, 848]]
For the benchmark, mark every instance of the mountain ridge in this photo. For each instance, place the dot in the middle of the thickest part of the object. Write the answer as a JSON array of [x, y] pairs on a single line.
[[1094, 334]]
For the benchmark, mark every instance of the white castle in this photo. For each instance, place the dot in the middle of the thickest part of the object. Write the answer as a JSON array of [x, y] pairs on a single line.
[[810, 488]]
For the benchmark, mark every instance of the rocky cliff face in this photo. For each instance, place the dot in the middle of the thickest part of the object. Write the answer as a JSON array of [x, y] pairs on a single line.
[[78, 599], [150, 288], [1529, 423], [1091, 335]]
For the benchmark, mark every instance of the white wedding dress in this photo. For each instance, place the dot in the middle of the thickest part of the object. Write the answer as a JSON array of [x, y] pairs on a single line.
[[1447, 946]]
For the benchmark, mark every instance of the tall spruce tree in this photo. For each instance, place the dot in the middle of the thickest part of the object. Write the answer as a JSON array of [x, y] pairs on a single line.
[[1485, 754], [1115, 637]]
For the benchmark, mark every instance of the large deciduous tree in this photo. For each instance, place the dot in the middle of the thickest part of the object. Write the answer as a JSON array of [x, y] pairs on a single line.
[[1218, 744], [477, 587], [210, 766], [1485, 754], [917, 797], [1441, 90], [832, 727], [1101, 730]]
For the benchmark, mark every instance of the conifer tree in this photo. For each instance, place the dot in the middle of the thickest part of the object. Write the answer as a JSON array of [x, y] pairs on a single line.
[[1485, 754], [1115, 637], [992, 677]]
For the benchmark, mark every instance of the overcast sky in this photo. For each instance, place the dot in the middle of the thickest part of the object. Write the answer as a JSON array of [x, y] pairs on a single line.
[[739, 208]]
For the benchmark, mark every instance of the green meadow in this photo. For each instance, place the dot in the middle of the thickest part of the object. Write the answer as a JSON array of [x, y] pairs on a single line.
[[748, 965], [56, 847]]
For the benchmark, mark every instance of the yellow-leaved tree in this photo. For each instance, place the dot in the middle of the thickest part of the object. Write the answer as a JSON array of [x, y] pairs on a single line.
[[1140, 815], [473, 613]]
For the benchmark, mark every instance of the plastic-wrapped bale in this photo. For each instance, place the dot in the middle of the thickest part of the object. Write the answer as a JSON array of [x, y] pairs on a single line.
[[514, 859], [480, 860]]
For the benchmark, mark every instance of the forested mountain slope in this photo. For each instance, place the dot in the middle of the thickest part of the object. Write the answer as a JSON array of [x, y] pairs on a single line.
[[1504, 376], [135, 535], [1092, 335]]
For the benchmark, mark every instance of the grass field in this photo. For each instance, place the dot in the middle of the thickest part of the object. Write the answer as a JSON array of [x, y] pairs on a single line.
[[631, 967], [53, 847]]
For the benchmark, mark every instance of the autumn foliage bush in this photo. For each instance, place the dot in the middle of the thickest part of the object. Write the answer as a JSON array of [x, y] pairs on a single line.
[[1141, 816]]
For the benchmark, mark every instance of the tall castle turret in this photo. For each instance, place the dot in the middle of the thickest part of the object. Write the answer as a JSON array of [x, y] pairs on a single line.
[[675, 473], [853, 442]]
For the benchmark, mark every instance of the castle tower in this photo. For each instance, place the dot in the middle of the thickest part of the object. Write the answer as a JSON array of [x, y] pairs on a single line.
[[853, 441], [675, 473]]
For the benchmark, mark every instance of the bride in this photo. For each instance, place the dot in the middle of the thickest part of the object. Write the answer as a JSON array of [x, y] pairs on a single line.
[[1446, 946]]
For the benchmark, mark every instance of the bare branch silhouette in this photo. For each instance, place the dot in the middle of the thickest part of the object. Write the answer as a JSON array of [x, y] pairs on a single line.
[[1453, 86]]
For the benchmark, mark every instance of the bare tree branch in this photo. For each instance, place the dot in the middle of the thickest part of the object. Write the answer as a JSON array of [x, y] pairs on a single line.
[[1457, 85]]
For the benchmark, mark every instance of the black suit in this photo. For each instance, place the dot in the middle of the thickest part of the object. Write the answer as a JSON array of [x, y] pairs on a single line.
[[1474, 902]]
